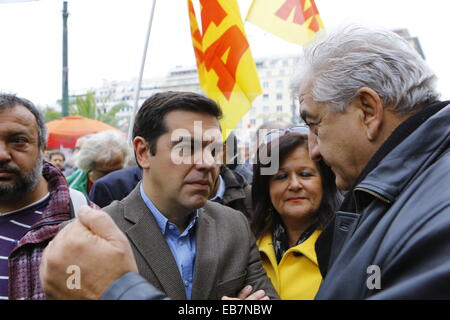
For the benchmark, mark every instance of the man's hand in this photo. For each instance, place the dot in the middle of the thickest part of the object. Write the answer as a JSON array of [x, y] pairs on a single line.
[[246, 294], [92, 244]]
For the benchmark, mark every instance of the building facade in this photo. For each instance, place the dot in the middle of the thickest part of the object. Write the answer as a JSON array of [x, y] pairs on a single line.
[[275, 103]]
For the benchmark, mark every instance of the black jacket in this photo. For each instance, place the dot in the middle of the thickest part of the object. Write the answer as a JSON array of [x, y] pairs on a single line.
[[391, 238], [115, 186], [238, 192]]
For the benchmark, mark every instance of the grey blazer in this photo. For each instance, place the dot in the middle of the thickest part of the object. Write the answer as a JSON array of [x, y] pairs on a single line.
[[227, 258]]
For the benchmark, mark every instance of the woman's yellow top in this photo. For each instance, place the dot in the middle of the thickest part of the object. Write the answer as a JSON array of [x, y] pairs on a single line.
[[297, 277]]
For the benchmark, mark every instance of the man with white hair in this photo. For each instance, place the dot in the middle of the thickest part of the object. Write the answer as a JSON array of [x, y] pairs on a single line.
[[374, 116], [100, 154]]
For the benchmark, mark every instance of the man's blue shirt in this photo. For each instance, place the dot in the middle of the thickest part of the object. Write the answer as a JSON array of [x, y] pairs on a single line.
[[182, 245]]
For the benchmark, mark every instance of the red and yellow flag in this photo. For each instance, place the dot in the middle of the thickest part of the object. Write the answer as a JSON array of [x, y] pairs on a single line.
[[226, 69], [293, 20]]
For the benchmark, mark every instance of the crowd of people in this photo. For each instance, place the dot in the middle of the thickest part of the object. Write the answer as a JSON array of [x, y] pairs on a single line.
[[353, 204]]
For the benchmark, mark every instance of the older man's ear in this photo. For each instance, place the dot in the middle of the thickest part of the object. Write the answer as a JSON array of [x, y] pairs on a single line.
[[371, 111]]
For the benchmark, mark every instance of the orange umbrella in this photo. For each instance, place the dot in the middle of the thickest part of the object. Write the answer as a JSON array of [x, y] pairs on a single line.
[[65, 131]]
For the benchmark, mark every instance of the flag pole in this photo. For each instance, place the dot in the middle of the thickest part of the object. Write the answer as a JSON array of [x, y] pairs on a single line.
[[65, 76], [141, 73]]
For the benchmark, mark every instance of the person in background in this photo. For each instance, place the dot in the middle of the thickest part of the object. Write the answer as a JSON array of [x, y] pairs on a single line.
[[260, 134], [57, 158], [231, 188], [245, 167], [268, 126], [233, 160], [34, 198], [100, 154], [291, 206], [71, 166], [80, 142], [115, 186], [372, 106]]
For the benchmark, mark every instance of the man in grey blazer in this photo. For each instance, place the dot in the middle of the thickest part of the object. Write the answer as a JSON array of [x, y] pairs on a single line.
[[184, 245], [226, 259]]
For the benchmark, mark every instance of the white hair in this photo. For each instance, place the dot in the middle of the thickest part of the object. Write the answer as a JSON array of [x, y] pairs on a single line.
[[101, 146], [337, 65]]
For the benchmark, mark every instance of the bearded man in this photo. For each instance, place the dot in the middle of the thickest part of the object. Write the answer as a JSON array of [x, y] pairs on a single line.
[[34, 198]]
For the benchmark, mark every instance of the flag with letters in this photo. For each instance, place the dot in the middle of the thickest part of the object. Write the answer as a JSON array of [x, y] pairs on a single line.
[[293, 20], [226, 69]]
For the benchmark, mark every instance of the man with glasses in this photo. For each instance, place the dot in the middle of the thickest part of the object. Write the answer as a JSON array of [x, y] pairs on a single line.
[[372, 107]]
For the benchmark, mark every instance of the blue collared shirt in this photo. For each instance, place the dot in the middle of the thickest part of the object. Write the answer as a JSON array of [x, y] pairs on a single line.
[[182, 245]]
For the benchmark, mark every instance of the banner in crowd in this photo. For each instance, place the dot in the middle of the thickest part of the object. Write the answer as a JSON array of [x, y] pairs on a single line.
[[293, 20], [226, 69]]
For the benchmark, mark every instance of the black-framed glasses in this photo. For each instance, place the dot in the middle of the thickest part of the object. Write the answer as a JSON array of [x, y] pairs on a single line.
[[276, 133]]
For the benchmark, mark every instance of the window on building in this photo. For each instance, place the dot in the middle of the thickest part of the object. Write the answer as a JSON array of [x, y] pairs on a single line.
[[279, 108], [266, 109], [279, 96], [279, 84], [265, 84], [265, 96]]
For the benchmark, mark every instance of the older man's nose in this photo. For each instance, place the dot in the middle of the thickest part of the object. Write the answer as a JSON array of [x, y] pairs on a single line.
[[314, 151]]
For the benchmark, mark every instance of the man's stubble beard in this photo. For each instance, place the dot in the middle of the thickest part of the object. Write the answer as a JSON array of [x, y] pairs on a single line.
[[24, 183]]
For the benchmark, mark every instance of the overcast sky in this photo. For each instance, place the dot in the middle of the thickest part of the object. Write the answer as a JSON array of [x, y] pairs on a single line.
[[106, 39]]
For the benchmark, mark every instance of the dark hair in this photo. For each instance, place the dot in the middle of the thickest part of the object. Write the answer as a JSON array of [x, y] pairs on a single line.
[[10, 101], [54, 153], [149, 122], [262, 216]]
